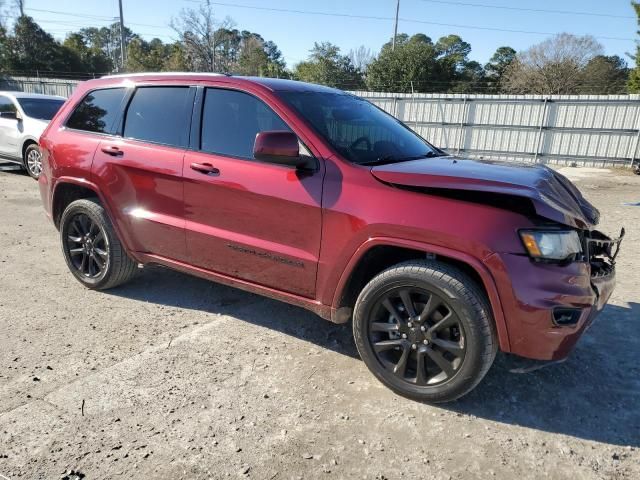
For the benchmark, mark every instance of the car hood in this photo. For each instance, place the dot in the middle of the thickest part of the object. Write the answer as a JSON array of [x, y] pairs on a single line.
[[552, 195]]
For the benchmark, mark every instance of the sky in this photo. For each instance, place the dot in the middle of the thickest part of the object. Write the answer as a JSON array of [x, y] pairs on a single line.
[[612, 22]]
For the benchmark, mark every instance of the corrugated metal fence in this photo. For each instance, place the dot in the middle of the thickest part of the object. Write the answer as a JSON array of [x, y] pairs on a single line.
[[588, 130], [47, 86]]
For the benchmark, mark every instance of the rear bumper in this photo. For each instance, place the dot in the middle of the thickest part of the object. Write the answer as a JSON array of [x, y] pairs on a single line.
[[531, 292]]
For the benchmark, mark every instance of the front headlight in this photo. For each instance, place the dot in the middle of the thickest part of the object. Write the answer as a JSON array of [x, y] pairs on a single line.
[[551, 245]]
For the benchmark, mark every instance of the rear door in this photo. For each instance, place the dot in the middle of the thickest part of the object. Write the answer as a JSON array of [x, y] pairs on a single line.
[[140, 171], [252, 220]]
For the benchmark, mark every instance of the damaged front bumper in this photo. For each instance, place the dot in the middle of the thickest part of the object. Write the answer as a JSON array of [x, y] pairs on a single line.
[[547, 307]]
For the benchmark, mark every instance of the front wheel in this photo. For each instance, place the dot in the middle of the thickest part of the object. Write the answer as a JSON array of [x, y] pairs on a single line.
[[91, 247], [424, 329]]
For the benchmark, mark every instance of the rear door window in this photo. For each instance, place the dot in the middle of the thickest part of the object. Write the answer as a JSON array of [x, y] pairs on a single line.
[[159, 115], [231, 120], [97, 111]]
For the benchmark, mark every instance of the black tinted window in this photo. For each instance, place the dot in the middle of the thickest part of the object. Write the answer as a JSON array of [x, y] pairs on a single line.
[[98, 110], [160, 115], [42, 108], [231, 120]]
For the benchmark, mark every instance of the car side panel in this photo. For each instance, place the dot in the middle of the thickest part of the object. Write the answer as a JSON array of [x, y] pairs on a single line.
[[144, 187], [358, 207]]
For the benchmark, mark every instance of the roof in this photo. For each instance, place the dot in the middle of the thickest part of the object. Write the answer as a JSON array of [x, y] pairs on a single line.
[[281, 84], [16, 94], [274, 84]]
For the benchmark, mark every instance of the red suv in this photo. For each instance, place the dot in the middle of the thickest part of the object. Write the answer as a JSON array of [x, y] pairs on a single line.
[[318, 198]]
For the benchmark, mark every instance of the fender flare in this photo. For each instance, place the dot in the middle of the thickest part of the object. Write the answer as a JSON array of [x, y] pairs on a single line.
[[477, 265], [81, 182]]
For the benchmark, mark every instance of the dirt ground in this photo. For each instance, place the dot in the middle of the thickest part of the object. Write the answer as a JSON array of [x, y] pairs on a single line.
[[174, 377]]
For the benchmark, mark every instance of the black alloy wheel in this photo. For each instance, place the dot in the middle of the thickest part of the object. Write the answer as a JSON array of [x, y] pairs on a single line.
[[91, 248], [87, 246], [425, 330], [417, 336]]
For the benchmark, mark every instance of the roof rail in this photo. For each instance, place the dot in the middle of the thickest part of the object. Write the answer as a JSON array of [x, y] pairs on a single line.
[[165, 74]]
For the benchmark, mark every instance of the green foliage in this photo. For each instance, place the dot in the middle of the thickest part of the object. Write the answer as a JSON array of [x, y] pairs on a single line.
[[91, 59], [417, 64], [143, 56], [605, 75], [634, 77], [412, 61], [497, 66], [327, 66], [29, 48]]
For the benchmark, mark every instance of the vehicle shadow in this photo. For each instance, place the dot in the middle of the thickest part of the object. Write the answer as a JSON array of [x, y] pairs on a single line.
[[594, 395]]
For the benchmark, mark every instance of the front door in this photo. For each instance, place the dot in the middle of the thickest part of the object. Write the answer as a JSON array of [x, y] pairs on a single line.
[[251, 220]]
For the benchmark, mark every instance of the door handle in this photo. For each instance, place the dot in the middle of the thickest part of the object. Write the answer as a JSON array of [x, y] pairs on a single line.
[[112, 150], [205, 168]]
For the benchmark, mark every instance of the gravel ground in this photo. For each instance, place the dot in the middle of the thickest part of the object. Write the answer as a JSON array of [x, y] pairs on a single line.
[[175, 377]]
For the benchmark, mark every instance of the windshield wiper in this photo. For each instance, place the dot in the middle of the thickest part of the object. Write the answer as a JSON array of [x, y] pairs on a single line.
[[385, 159]]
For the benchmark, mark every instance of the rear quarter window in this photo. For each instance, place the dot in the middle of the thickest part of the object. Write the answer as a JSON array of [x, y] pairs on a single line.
[[98, 111]]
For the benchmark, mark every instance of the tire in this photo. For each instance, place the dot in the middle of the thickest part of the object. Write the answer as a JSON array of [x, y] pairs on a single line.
[[32, 161], [89, 241], [425, 330]]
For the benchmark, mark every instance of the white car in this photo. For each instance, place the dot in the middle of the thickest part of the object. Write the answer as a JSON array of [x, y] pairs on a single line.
[[23, 118]]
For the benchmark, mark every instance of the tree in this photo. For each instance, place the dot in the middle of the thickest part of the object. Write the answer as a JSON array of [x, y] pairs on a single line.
[[201, 37], [605, 75], [253, 58], [143, 56], [175, 61], [417, 64], [411, 66], [19, 5], [91, 60], [361, 57], [276, 66], [453, 53], [259, 58], [497, 66], [470, 79], [107, 41], [634, 76], [327, 66], [554, 66], [31, 49]]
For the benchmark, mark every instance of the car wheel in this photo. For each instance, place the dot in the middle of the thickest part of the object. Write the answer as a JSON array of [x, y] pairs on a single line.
[[33, 161], [91, 248], [424, 330]]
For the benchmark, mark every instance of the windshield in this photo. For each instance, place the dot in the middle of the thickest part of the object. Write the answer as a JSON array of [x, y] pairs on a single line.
[[357, 129], [41, 108]]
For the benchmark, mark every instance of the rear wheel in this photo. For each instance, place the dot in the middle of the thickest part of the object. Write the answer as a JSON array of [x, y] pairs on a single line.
[[423, 328], [33, 161], [91, 247]]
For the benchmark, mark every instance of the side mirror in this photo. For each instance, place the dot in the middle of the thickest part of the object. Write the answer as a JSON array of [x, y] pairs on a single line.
[[10, 115], [278, 147]]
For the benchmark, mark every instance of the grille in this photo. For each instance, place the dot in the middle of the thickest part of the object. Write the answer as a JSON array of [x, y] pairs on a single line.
[[601, 251]]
